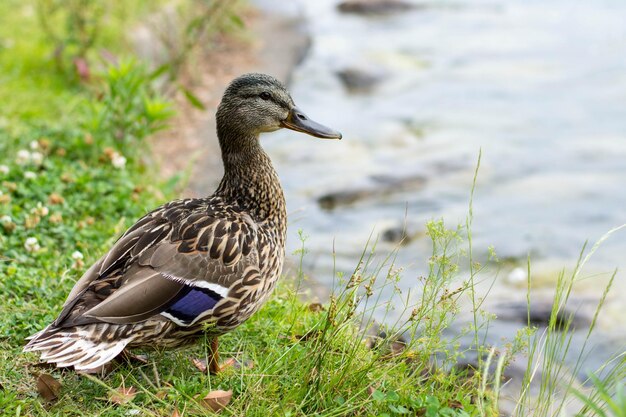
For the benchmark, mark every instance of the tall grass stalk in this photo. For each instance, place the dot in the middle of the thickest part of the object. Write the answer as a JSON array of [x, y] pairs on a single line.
[[549, 349]]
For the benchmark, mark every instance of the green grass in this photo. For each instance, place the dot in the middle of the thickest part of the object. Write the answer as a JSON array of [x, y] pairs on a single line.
[[78, 201], [32, 87], [66, 187]]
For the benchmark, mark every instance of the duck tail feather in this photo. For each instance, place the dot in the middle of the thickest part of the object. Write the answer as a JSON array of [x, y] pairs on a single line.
[[75, 347]]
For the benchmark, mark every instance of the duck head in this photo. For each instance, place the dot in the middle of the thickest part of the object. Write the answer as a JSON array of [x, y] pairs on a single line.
[[257, 103]]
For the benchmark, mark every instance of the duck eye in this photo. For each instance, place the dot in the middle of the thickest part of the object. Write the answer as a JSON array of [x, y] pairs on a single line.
[[265, 95]]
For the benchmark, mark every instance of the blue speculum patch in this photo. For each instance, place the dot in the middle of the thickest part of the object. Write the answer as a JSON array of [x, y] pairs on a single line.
[[192, 302]]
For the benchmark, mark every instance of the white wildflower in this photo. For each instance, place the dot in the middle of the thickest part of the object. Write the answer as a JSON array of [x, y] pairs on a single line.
[[36, 158], [25, 157], [34, 145], [31, 245], [22, 157], [78, 260], [7, 223], [118, 160], [4, 169], [40, 210], [30, 175]]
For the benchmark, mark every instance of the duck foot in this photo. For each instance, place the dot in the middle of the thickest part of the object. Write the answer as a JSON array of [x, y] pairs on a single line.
[[212, 364]]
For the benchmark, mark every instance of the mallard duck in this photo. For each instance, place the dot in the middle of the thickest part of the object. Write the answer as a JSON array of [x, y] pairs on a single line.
[[192, 266]]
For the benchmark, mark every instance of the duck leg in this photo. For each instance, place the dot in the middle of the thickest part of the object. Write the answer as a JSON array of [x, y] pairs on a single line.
[[214, 361]]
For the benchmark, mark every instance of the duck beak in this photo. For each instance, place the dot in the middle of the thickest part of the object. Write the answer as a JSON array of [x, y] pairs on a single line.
[[300, 122]]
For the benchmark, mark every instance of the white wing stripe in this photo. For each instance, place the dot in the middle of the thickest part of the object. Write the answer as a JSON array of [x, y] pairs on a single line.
[[216, 288]]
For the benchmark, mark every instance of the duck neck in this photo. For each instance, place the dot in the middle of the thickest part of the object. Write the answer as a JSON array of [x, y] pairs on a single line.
[[249, 177]]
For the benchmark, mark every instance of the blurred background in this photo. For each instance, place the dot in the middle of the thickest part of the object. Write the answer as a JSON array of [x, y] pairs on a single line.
[[420, 90]]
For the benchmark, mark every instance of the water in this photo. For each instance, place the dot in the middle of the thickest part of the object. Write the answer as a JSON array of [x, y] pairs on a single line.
[[539, 86]]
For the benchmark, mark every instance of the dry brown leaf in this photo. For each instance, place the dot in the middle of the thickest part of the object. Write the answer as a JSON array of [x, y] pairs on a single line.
[[48, 387], [217, 400], [316, 307], [231, 362], [200, 364], [235, 363], [122, 395], [176, 413], [370, 390]]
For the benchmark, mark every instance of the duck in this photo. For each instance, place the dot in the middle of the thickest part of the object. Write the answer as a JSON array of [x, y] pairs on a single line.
[[194, 267]]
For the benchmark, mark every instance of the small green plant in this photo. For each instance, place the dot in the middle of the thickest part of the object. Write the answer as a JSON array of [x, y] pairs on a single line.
[[608, 398], [548, 350], [73, 27], [424, 405], [198, 21], [129, 108]]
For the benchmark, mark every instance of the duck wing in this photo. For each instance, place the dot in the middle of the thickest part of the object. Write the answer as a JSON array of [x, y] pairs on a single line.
[[180, 260]]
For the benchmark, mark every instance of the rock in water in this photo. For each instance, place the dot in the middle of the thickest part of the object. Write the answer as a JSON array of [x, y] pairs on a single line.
[[374, 7], [359, 80]]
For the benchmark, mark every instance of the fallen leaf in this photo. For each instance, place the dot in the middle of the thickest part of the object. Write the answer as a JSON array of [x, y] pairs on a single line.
[[237, 364], [370, 390], [316, 307], [200, 364], [217, 400], [176, 413], [231, 362], [161, 394], [122, 395], [48, 387]]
